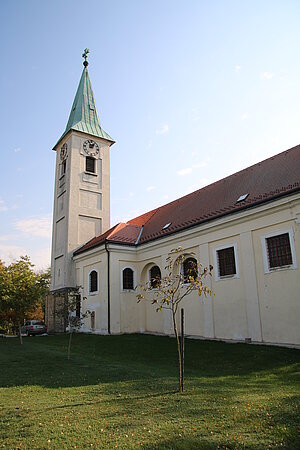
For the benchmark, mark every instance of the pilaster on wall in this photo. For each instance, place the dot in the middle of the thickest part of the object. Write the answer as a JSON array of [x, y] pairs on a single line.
[[209, 329], [251, 291], [167, 315]]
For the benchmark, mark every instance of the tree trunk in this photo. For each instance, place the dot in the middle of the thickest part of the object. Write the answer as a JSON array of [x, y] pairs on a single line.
[[182, 348], [179, 351], [20, 334], [70, 339]]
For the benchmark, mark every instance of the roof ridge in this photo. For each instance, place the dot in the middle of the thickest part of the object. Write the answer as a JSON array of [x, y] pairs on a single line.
[[215, 183]]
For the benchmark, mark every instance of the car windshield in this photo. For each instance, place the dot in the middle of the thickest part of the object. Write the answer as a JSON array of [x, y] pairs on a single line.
[[37, 322]]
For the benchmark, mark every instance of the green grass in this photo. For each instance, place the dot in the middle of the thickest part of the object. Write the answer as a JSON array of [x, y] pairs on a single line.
[[120, 392]]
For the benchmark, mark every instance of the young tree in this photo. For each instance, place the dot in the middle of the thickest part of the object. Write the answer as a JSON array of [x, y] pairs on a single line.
[[183, 275], [21, 290], [70, 311]]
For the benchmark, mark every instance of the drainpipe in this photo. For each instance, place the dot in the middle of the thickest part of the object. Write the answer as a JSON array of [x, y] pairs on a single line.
[[108, 288]]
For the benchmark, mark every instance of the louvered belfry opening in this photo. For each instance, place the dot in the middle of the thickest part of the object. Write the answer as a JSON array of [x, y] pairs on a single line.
[[90, 164], [279, 250]]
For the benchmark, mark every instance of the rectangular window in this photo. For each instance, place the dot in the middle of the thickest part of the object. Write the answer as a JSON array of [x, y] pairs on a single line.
[[226, 262], [90, 165], [63, 168], [279, 251]]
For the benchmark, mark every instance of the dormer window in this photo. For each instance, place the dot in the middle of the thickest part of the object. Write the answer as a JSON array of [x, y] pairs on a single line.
[[90, 164]]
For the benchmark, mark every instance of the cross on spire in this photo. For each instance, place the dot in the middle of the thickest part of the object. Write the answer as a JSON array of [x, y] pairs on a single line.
[[84, 55]]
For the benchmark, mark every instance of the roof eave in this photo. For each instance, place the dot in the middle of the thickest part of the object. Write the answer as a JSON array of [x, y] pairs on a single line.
[[111, 141]]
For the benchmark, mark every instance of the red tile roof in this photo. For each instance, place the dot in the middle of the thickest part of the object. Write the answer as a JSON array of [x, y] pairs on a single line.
[[265, 181]]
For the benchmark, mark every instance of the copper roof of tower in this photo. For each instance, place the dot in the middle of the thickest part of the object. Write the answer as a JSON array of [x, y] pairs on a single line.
[[83, 116], [263, 182]]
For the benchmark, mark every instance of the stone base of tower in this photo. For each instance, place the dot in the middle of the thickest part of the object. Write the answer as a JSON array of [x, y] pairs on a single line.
[[54, 321]]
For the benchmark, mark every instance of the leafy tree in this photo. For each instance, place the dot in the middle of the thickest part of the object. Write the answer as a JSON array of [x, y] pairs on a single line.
[[70, 310], [21, 290], [168, 291]]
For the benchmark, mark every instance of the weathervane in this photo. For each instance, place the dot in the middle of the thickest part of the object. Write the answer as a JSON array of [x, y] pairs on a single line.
[[84, 55]]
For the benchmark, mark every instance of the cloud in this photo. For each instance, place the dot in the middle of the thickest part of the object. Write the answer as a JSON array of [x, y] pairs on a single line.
[[185, 171], [8, 237], [150, 188], [17, 150], [238, 68], [40, 258], [194, 187], [163, 130], [36, 226], [3, 206], [188, 170], [245, 116], [195, 115], [267, 76], [10, 252]]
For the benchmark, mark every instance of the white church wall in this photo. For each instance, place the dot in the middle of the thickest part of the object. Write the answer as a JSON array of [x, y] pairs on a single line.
[[252, 304], [278, 289]]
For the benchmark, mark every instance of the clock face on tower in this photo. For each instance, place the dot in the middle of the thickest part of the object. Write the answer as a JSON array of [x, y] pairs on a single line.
[[91, 147], [63, 152]]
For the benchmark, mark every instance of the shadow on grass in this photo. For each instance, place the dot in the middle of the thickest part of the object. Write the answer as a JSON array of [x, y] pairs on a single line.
[[187, 443], [138, 359]]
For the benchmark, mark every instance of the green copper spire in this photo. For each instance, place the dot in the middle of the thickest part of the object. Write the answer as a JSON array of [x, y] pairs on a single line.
[[83, 116]]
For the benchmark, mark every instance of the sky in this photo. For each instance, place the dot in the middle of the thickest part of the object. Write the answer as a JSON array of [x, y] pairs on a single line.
[[191, 91]]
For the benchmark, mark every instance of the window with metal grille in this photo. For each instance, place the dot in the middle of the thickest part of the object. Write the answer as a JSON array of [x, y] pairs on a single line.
[[93, 281], [190, 269], [226, 262], [279, 251], [155, 276], [90, 165], [127, 278]]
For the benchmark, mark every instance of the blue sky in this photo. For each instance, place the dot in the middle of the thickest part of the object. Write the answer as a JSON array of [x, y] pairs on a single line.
[[191, 91]]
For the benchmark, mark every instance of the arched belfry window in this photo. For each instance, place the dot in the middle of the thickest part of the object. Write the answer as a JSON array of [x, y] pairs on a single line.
[[190, 269], [128, 279], [93, 281], [154, 276]]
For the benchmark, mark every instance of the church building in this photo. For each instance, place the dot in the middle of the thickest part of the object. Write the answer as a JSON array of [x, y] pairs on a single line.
[[247, 226]]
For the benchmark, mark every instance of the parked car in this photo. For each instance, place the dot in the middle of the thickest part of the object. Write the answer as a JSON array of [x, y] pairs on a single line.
[[33, 327]]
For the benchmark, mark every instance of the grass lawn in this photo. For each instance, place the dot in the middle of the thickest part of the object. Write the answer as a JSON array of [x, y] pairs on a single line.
[[120, 392]]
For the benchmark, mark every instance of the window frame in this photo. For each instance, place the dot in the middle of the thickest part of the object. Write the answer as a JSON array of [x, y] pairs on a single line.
[[63, 168], [149, 276], [187, 257], [133, 279], [91, 158], [234, 276], [89, 282], [265, 251]]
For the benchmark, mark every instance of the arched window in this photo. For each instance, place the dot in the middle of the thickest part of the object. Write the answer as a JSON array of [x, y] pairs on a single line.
[[128, 278], [190, 269], [154, 276], [93, 281]]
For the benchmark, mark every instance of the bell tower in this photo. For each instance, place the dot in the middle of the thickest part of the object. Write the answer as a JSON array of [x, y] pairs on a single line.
[[82, 183]]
